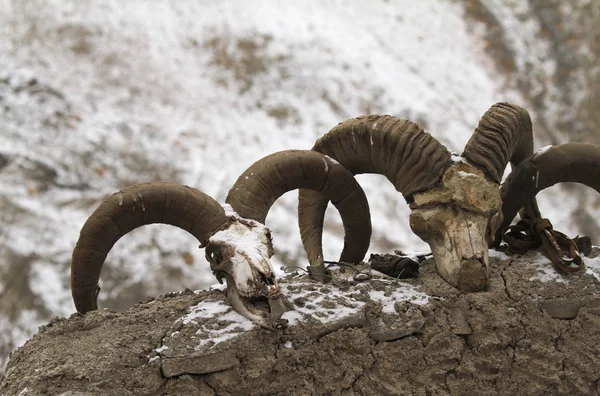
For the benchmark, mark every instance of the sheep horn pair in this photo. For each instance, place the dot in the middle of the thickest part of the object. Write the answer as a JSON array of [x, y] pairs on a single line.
[[571, 162], [238, 244], [455, 201]]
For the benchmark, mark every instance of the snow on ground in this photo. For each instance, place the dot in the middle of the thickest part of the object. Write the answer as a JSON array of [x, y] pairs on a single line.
[[592, 266], [546, 272], [537, 55], [311, 302], [209, 309]]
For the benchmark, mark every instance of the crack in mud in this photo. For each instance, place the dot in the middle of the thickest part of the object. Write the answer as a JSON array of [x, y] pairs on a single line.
[[205, 380], [505, 282]]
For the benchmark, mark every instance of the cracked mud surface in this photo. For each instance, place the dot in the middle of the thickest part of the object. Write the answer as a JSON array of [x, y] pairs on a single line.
[[523, 336]]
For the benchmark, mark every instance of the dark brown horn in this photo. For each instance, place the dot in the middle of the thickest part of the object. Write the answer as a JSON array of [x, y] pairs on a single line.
[[132, 207], [410, 158], [504, 134], [399, 149], [270, 177], [571, 162]]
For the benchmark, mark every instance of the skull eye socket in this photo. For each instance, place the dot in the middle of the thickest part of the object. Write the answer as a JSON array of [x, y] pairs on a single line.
[[214, 255], [270, 250]]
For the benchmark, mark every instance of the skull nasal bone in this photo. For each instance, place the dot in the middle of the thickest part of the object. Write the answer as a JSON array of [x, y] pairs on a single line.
[[473, 275]]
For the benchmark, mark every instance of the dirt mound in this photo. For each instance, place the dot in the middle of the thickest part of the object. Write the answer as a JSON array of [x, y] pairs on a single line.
[[534, 333]]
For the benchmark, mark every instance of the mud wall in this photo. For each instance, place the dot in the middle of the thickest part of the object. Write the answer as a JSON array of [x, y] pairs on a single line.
[[534, 332]]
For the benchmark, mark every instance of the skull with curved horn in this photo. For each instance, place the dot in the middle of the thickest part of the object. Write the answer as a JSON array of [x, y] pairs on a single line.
[[570, 162], [455, 201], [238, 244]]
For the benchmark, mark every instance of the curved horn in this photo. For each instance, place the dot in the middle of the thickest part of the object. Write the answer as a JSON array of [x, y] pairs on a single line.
[[504, 134], [134, 206], [571, 162], [270, 177], [399, 149]]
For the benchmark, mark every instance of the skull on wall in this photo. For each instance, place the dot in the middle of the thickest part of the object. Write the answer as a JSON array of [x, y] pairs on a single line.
[[458, 219], [241, 255], [455, 201]]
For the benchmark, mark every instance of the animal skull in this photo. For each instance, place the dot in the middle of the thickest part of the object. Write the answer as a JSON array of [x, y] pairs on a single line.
[[458, 219], [455, 201], [241, 254], [238, 244]]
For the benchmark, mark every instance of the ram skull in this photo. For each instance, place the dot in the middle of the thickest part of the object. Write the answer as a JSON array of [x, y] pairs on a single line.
[[238, 244], [455, 201]]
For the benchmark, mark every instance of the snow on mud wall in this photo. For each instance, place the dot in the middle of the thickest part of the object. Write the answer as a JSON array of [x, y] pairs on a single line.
[[528, 335]]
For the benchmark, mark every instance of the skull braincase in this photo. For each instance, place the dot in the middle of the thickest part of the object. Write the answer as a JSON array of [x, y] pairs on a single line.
[[457, 219], [242, 253]]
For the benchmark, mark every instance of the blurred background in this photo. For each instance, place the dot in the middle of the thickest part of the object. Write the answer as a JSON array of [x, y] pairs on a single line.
[[95, 96]]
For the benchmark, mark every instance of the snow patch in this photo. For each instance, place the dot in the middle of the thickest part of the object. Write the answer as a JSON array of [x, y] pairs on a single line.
[[545, 269], [205, 310], [406, 293], [216, 286], [592, 266], [200, 314], [332, 160], [216, 321], [456, 158], [325, 304], [498, 254]]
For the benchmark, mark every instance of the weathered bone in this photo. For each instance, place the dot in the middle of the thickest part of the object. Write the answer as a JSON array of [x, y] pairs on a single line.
[[410, 158], [455, 218]]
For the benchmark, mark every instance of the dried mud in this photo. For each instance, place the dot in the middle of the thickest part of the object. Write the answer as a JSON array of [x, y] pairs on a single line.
[[522, 337]]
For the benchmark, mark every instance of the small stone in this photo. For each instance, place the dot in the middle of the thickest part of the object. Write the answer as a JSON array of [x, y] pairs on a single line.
[[561, 308], [173, 366]]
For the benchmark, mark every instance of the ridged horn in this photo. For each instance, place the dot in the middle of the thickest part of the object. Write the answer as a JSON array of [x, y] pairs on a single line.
[[399, 149], [132, 207], [504, 134], [571, 162], [270, 177]]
